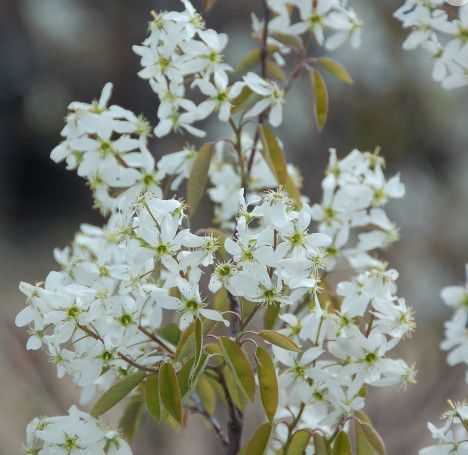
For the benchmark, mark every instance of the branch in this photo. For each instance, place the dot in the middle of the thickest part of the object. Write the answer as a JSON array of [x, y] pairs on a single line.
[[213, 421], [235, 420], [122, 356]]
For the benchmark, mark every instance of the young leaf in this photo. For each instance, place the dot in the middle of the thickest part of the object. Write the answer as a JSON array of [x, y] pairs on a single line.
[[117, 392], [278, 339], [252, 58], [238, 396], [321, 445], [292, 41], [132, 420], [276, 161], [292, 190], [363, 446], [189, 374], [169, 391], [274, 71], [239, 365], [199, 176], [170, 332], [335, 68], [152, 396], [184, 347], [342, 445], [198, 333], [259, 441], [268, 382], [321, 98], [207, 394], [299, 443], [273, 154], [371, 433], [271, 315]]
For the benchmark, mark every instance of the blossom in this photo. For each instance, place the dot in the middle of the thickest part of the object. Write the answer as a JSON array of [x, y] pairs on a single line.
[[73, 434], [272, 98]]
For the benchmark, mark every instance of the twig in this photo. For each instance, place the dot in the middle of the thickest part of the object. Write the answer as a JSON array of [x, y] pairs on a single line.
[[235, 420], [213, 421], [157, 340]]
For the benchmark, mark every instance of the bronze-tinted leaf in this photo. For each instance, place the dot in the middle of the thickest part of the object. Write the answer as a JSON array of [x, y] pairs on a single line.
[[259, 441], [371, 433], [268, 382], [238, 363], [132, 419], [169, 391], [299, 442], [199, 176], [278, 339], [335, 68], [342, 446], [153, 402], [117, 392], [321, 98]]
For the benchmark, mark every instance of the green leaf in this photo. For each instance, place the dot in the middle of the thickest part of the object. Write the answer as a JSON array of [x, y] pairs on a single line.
[[184, 347], [274, 71], [199, 176], [278, 339], [170, 332], [292, 41], [273, 154], [189, 374], [153, 402], [187, 344], [245, 98], [169, 391], [321, 98], [238, 396], [299, 442], [335, 68], [342, 445], [198, 334], [275, 159], [117, 392], [321, 445], [268, 382], [259, 441], [132, 419], [363, 446], [252, 58], [371, 433], [238, 363], [207, 394], [271, 315], [293, 191]]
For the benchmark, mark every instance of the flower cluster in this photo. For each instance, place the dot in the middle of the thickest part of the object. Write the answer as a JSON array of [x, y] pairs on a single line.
[[96, 316], [442, 35], [452, 437], [76, 433], [138, 301], [354, 193], [456, 332], [226, 181], [108, 147], [180, 49], [330, 22]]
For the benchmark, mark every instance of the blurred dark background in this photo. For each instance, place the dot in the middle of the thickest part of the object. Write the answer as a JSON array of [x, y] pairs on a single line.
[[56, 51]]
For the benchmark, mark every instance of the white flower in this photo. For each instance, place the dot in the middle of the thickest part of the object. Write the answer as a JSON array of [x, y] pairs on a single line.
[[273, 98]]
